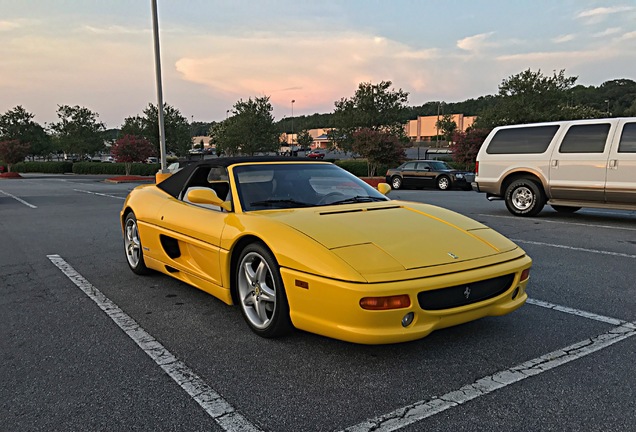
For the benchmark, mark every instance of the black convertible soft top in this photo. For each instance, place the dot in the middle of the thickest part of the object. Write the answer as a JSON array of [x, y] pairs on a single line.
[[174, 184]]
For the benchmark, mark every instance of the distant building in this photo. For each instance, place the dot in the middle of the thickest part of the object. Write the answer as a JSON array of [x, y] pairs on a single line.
[[423, 128]]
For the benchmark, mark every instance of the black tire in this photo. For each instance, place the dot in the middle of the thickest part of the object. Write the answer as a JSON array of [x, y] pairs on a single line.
[[443, 182], [260, 292], [132, 246], [396, 182], [565, 209], [524, 198]]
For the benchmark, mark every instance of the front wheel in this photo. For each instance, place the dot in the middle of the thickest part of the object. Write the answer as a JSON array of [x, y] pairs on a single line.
[[261, 293], [443, 183], [524, 198], [132, 246]]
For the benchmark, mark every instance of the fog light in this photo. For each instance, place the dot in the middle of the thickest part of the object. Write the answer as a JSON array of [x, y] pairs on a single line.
[[408, 319], [515, 293]]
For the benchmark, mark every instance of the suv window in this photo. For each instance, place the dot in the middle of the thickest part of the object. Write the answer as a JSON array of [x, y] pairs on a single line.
[[628, 139], [585, 139], [409, 166], [522, 140]]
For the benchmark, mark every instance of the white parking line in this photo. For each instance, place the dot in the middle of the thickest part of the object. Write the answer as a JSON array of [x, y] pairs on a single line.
[[100, 194], [602, 252], [562, 223], [577, 312], [418, 411], [213, 404], [18, 199]]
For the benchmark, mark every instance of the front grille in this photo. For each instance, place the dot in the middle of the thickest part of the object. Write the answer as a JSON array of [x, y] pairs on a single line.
[[465, 294]]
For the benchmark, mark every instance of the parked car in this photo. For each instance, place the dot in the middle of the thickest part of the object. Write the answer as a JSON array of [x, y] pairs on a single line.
[[299, 243], [317, 154], [566, 164], [428, 173], [152, 160]]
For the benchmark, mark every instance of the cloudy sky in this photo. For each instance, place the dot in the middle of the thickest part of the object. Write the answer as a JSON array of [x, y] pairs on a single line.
[[99, 54]]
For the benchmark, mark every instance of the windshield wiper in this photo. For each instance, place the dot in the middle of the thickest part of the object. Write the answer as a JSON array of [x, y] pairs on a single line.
[[278, 202], [357, 199]]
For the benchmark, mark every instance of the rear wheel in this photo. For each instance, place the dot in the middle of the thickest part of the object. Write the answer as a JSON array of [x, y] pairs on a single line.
[[133, 247], [443, 183], [261, 293], [565, 209], [396, 182], [524, 198]]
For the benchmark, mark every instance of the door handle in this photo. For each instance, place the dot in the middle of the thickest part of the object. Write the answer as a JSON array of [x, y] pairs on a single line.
[[555, 163], [613, 164]]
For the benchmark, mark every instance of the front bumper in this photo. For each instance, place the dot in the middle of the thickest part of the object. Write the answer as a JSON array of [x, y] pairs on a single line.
[[332, 308]]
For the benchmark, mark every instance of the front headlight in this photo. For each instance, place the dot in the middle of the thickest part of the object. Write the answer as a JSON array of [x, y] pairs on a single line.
[[459, 176]]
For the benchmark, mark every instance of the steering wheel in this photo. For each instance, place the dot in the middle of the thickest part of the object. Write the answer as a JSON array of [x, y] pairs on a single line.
[[325, 199]]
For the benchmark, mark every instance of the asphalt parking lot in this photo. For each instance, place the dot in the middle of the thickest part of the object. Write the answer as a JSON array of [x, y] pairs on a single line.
[[87, 345]]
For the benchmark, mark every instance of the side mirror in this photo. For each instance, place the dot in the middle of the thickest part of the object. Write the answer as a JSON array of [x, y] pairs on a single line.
[[208, 196], [384, 188]]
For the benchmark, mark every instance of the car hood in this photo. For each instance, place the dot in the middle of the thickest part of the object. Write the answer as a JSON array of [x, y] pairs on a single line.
[[395, 236]]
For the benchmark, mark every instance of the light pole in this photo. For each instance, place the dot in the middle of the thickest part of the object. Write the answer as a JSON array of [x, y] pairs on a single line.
[[293, 100], [227, 113], [437, 127], [192, 132], [607, 101], [164, 173], [291, 153]]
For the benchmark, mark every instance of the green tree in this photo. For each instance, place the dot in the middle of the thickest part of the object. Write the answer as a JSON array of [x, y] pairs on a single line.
[[373, 106], [249, 130], [18, 124], [78, 131], [446, 126], [466, 145], [379, 147], [530, 97], [131, 148], [304, 139], [176, 126], [12, 152]]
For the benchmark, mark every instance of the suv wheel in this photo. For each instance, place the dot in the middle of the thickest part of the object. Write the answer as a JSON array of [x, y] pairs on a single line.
[[524, 198], [396, 182]]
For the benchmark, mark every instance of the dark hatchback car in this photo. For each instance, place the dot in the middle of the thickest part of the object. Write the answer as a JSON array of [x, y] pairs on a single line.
[[428, 173]]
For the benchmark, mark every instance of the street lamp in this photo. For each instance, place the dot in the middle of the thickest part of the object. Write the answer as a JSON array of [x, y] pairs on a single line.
[[292, 115], [192, 131], [227, 113], [607, 101]]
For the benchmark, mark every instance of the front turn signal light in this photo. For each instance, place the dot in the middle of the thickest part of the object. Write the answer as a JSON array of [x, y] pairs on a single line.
[[525, 274], [385, 303]]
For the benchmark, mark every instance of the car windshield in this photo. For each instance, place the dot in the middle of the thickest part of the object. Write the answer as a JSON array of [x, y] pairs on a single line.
[[439, 166], [289, 185]]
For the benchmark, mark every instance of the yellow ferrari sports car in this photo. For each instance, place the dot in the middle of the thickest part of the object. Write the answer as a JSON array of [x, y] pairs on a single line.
[[300, 243]]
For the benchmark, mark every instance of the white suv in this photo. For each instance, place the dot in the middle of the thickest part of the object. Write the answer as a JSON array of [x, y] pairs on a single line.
[[567, 164]]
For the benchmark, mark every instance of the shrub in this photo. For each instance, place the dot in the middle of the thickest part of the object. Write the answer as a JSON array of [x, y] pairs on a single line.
[[360, 168], [44, 167]]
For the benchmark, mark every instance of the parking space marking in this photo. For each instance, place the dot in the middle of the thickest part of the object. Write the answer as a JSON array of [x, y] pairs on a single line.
[[602, 252], [577, 312], [214, 405], [100, 194], [18, 199], [562, 223], [418, 411]]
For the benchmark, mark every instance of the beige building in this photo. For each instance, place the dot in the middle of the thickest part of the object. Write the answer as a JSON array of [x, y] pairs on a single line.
[[424, 129]]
